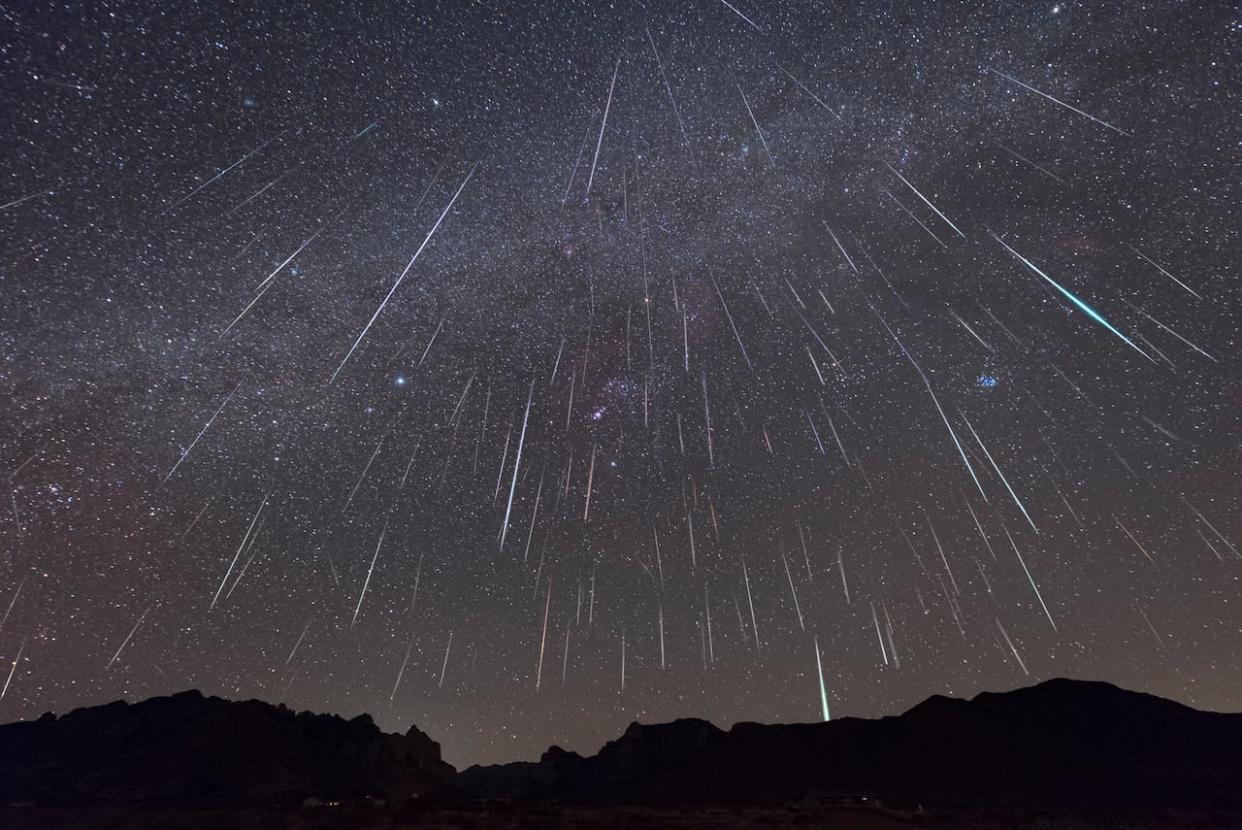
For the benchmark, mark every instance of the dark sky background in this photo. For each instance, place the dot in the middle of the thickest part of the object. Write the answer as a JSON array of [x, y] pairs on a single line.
[[781, 401]]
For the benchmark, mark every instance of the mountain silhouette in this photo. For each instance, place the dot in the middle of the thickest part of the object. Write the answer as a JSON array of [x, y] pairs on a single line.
[[1062, 743], [188, 748]]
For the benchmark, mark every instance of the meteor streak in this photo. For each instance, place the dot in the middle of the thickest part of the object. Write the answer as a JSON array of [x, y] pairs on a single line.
[[268, 282], [186, 453], [751, 113], [240, 548], [685, 139], [12, 670], [1082, 306], [814, 97], [216, 177], [370, 571], [504, 528], [926, 201], [128, 637], [1160, 268], [1029, 578], [1004, 480], [603, 124], [823, 693], [936, 401], [408, 266], [1056, 101]]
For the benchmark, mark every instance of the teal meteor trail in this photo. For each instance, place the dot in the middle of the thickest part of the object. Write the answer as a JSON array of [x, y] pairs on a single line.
[[1069, 295]]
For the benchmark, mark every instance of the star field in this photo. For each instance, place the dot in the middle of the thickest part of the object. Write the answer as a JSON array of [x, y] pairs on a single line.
[[522, 370]]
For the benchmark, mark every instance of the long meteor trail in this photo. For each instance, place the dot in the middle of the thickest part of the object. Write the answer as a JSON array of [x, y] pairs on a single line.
[[240, 548], [823, 693], [128, 637], [269, 282], [1073, 298], [815, 97], [217, 177], [186, 453], [996, 467], [926, 201], [1057, 101], [754, 121], [603, 124], [408, 266], [926, 383], [366, 584], [517, 465], [669, 89], [734, 9]]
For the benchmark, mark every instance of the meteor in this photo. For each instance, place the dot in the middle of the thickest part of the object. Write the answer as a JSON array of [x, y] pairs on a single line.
[[841, 248], [543, 639], [12, 602], [971, 331], [240, 548], [365, 130], [400, 673], [919, 221], [1056, 101], [268, 283], [1170, 331], [370, 571], [685, 139], [814, 97], [1160, 268], [504, 528], [574, 171], [751, 113], [444, 666], [1009, 642], [186, 453], [750, 601], [1021, 157], [256, 194], [879, 636], [1082, 306], [378, 445], [979, 526], [936, 401], [845, 586], [1029, 578], [1132, 538], [734, 9], [128, 637], [12, 670], [1004, 480], [298, 644], [408, 266], [926, 201], [1219, 535], [26, 198], [793, 591], [216, 177], [823, 693], [732, 325], [604, 123]]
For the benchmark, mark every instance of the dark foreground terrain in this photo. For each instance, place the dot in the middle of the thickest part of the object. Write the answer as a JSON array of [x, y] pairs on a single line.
[[1063, 754], [472, 815]]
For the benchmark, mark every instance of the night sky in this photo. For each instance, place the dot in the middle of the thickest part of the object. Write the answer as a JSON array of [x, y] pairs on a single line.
[[520, 370]]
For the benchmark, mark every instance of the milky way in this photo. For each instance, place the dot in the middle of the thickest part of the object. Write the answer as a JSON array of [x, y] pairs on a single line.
[[520, 370]]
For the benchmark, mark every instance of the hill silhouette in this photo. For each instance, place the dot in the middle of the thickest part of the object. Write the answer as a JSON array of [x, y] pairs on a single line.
[[1062, 744], [188, 748]]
